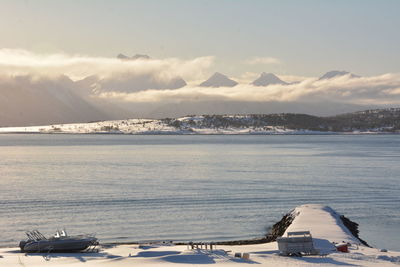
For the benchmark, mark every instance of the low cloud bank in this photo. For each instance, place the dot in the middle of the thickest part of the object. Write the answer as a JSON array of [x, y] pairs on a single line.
[[22, 62], [383, 89], [154, 86]]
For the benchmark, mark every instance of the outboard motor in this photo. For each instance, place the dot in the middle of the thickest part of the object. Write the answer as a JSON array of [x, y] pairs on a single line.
[[22, 245]]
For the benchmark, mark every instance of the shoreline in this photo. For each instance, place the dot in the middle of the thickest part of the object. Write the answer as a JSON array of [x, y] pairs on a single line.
[[179, 243], [203, 134], [276, 230], [326, 226]]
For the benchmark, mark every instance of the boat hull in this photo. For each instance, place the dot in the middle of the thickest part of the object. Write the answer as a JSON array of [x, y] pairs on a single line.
[[61, 245]]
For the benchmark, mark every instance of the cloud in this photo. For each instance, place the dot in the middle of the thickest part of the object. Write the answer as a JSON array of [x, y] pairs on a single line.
[[157, 80], [22, 62], [384, 89], [263, 61], [293, 78], [247, 77]]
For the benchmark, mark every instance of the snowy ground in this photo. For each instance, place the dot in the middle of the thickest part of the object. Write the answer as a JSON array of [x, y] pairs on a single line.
[[322, 221], [150, 126]]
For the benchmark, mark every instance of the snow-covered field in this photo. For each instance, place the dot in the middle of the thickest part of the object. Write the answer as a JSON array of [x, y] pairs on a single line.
[[323, 223], [151, 126]]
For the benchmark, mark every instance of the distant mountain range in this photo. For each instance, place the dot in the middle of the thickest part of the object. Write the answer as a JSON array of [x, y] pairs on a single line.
[[220, 80], [265, 79]]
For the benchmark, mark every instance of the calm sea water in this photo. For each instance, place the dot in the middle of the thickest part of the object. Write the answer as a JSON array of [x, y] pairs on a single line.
[[131, 188]]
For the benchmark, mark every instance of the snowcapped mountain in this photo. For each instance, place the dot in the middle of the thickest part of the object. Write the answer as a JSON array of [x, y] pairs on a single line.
[[218, 80], [266, 79], [337, 73]]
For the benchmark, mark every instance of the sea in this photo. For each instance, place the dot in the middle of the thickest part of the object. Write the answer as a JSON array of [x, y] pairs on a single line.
[[139, 188]]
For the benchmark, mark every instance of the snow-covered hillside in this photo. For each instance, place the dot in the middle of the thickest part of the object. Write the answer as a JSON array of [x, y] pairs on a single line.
[[184, 125], [373, 121]]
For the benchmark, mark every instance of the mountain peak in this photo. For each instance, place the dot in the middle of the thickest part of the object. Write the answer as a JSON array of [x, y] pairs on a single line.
[[122, 56], [219, 74], [267, 79], [140, 56], [135, 57], [337, 73], [218, 80]]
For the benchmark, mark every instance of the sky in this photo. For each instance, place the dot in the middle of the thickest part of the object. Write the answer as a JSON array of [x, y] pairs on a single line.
[[58, 59], [304, 38]]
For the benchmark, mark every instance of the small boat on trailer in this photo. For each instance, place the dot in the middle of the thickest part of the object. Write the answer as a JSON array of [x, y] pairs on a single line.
[[297, 244], [60, 242]]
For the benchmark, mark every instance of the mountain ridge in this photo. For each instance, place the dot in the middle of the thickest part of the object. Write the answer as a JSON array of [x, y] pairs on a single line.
[[134, 57]]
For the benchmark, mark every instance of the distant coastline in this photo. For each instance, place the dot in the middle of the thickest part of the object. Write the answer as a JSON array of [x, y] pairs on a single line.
[[204, 134], [378, 121]]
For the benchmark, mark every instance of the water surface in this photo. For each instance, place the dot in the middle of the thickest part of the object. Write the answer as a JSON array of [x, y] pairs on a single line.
[[131, 188]]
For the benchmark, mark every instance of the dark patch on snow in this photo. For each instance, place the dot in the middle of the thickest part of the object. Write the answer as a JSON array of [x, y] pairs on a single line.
[[279, 228], [353, 228]]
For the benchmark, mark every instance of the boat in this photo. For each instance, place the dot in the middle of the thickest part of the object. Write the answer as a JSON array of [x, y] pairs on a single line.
[[60, 242]]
